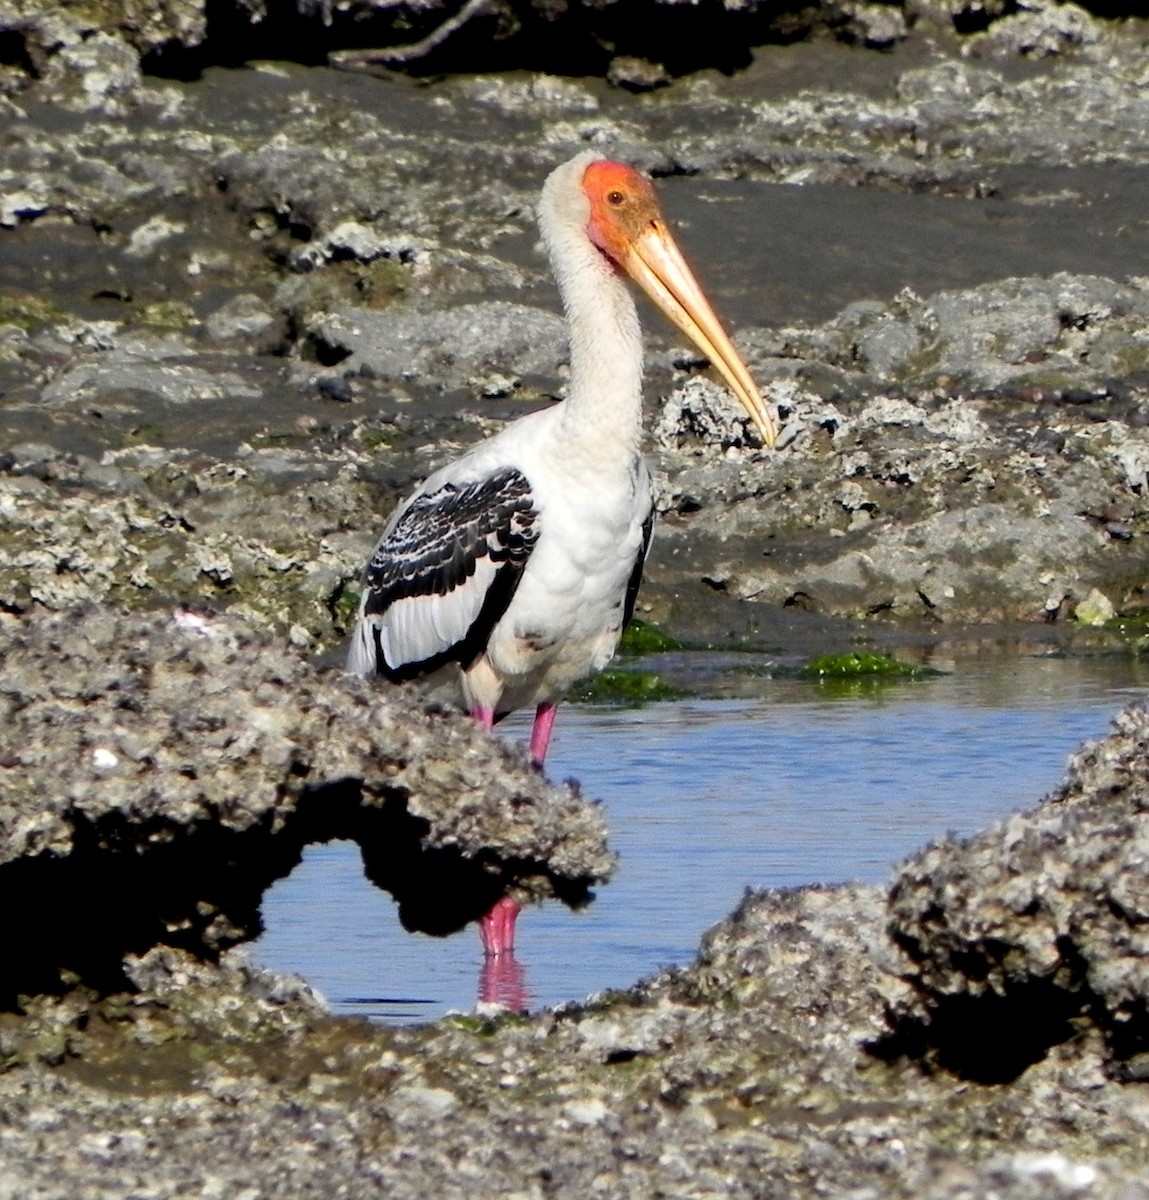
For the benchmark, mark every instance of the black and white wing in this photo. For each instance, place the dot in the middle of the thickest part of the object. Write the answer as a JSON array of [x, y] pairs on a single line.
[[443, 574]]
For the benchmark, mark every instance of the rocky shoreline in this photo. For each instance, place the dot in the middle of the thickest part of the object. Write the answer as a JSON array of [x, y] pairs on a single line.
[[978, 1028], [206, 307], [243, 308]]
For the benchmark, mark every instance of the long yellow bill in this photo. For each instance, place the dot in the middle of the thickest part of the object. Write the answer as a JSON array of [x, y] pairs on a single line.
[[654, 261]]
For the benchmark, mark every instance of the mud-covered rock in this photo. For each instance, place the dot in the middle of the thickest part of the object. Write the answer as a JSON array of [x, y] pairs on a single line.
[[955, 464], [58, 41], [1005, 479], [805, 1051], [288, 285], [89, 55], [179, 428], [1039, 30], [134, 529], [457, 348], [761, 1070], [1013, 333]]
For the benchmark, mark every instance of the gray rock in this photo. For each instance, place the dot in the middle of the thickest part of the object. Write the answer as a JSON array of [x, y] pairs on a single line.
[[876, 25], [23, 203], [98, 74], [989, 557], [1037, 923], [453, 347], [94, 378], [637, 74], [703, 413], [790, 1058], [243, 316], [976, 452], [887, 347], [1039, 30], [955, 498], [161, 771]]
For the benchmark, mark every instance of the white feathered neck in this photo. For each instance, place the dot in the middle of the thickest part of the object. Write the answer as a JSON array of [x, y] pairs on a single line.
[[604, 396]]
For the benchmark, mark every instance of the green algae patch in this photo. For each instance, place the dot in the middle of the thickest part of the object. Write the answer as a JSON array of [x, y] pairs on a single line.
[[167, 316], [624, 689], [344, 607], [381, 283], [375, 439], [485, 1025], [860, 669], [1131, 629], [28, 312], [640, 637]]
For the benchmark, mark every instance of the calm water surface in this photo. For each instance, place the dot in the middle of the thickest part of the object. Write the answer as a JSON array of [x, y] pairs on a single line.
[[704, 798]]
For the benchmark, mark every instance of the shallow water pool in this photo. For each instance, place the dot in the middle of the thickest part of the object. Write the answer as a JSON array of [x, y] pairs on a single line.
[[705, 797]]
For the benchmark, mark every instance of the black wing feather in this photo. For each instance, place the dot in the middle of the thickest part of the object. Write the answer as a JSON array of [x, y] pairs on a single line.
[[635, 580], [434, 548]]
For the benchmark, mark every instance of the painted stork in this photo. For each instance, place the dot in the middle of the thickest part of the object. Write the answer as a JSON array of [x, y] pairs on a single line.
[[516, 566]]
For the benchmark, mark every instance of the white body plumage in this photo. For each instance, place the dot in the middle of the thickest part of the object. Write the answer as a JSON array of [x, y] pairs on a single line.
[[565, 617], [588, 490]]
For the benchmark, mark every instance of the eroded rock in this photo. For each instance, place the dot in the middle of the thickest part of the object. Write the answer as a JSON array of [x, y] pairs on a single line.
[[456, 348], [952, 458], [159, 772], [1026, 932]]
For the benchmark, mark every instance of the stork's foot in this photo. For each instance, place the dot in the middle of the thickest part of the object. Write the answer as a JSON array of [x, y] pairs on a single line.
[[497, 927]]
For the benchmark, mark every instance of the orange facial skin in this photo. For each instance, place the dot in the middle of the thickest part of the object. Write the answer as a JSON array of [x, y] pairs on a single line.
[[622, 207]]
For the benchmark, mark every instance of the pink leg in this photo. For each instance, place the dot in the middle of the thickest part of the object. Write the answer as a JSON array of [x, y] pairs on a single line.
[[483, 717], [541, 733], [497, 927]]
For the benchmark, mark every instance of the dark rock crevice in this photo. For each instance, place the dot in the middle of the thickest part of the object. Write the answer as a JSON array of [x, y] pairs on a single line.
[[502, 35], [127, 887], [14, 52], [986, 1037]]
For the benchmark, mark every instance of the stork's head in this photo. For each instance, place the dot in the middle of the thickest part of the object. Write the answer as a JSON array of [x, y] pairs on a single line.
[[618, 211]]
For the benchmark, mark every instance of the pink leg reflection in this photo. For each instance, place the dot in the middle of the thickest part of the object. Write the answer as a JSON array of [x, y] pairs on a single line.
[[503, 982]]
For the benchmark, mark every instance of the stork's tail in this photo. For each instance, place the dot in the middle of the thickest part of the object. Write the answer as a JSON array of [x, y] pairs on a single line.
[[362, 654]]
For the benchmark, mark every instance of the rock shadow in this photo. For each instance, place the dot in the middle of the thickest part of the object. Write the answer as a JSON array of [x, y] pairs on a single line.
[[987, 1039], [127, 887]]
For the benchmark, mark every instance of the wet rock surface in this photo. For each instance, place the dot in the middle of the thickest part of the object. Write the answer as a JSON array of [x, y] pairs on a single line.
[[239, 315], [1038, 921], [314, 285]]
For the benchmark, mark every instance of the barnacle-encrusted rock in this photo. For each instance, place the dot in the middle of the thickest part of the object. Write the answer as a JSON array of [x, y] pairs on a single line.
[[160, 771], [1022, 932]]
